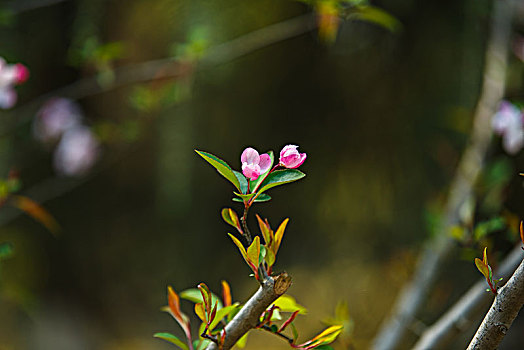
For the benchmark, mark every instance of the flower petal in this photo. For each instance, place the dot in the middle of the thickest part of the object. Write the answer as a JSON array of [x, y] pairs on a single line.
[[265, 162], [250, 155]]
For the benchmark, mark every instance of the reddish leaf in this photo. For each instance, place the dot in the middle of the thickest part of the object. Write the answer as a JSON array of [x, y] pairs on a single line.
[[521, 233], [174, 305], [37, 212], [265, 230], [226, 293]]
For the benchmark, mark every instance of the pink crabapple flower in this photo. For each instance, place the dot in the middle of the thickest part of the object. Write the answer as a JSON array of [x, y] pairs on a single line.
[[290, 158], [77, 151], [254, 164], [55, 117], [508, 122], [10, 75]]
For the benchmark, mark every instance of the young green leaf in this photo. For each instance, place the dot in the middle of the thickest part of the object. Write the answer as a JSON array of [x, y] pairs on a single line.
[[280, 177], [244, 253], [253, 252], [242, 181], [279, 235], [287, 303], [231, 217], [326, 337], [222, 167], [171, 339]]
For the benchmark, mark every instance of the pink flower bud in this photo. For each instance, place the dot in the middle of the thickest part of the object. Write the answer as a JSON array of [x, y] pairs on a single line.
[[254, 164], [21, 73], [290, 158]]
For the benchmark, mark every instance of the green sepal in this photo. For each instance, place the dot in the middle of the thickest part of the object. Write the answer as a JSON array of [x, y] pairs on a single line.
[[261, 198]]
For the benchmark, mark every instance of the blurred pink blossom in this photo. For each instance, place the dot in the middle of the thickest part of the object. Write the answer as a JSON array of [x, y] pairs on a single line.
[[77, 151], [508, 123], [290, 158], [10, 75], [55, 117], [254, 164]]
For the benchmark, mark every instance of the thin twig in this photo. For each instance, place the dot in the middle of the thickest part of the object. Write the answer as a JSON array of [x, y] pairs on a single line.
[[281, 335], [441, 247], [500, 316], [467, 309]]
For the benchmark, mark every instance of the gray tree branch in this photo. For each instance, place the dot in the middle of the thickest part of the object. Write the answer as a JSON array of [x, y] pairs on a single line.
[[248, 317], [441, 247], [500, 316], [467, 309]]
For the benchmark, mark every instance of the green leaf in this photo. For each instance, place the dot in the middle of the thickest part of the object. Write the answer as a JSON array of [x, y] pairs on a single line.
[[223, 312], [172, 339], [253, 251], [241, 343], [255, 184], [194, 295], [222, 167], [261, 198], [482, 268], [486, 227], [263, 252], [280, 177], [287, 303], [242, 180], [376, 15], [244, 253], [231, 217]]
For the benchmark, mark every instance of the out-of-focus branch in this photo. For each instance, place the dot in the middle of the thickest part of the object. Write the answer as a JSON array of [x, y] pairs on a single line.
[[500, 316], [248, 317], [170, 68], [441, 247], [467, 309], [18, 6]]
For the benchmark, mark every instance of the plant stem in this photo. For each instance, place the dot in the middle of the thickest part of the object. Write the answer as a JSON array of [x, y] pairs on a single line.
[[267, 328], [247, 233]]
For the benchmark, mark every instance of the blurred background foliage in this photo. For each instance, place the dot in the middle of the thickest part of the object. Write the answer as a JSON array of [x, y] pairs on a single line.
[[382, 114]]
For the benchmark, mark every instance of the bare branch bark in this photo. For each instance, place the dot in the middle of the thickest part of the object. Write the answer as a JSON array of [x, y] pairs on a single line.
[[441, 247], [500, 316], [460, 316], [248, 317]]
